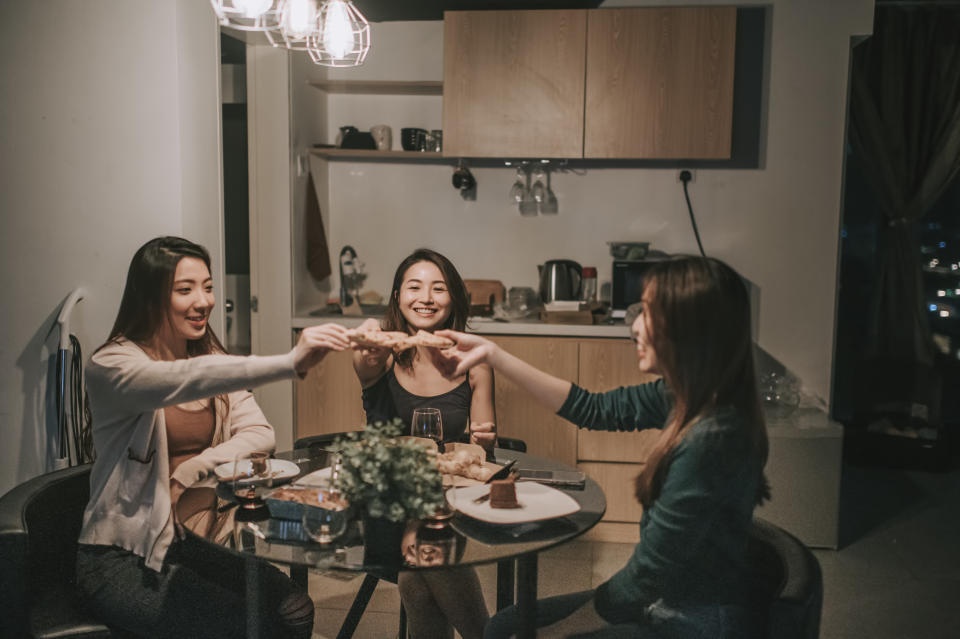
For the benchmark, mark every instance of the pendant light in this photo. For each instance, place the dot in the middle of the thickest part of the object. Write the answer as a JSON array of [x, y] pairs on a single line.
[[342, 38], [248, 15], [298, 21]]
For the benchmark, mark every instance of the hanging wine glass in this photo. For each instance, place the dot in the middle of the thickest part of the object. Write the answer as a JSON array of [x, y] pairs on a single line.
[[528, 205], [538, 191], [519, 187]]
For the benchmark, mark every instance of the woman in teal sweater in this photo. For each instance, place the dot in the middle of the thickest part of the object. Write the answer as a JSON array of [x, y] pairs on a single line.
[[698, 487]]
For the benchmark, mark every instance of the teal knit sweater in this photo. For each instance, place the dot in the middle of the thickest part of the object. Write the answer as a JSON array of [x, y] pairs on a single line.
[[693, 537]]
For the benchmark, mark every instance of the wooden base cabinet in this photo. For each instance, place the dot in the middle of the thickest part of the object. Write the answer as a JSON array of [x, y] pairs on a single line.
[[617, 481], [613, 459], [328, 398], [519, 415], [606, 364]]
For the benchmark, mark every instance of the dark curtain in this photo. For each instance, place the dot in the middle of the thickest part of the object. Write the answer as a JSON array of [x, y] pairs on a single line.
[[905, 132]]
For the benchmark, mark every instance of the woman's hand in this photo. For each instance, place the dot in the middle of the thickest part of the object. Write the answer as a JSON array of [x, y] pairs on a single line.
[[471, 350], [483, 434], [315, 342], [468, 351], [371, 356]]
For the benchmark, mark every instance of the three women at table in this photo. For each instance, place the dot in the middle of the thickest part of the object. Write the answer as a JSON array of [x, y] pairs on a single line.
[[699, 487], [428, 294], [168, 406]]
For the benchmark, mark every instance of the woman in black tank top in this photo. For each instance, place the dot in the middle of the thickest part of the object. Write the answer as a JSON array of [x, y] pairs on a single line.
[[428, 294]]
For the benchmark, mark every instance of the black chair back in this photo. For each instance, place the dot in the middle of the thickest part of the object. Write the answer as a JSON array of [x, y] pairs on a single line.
[[317, 441], [326, 439], [39, 524], [787, 582]]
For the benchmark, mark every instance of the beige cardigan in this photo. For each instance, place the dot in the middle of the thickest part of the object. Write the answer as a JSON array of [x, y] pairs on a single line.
[[129, 502]]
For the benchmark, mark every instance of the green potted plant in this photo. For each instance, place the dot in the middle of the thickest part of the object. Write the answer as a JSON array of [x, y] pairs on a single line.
[[389, 480]]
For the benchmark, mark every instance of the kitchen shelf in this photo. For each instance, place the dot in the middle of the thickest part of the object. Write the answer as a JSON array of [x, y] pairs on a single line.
[[334, 153], [381, 87]]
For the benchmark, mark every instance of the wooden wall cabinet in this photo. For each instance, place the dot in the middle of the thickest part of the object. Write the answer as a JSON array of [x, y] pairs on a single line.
[[513, 83], [660, 83], [641, 83]]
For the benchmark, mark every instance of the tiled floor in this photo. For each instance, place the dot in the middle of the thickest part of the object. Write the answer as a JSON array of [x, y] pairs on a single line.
[[897, 575]]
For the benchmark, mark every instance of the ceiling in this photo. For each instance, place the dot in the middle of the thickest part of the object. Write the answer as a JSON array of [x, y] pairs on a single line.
[[391, 10]]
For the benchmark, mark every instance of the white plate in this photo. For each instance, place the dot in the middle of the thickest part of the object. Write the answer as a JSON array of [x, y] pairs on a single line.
[[537, 502], [318, 478], [281, 469]]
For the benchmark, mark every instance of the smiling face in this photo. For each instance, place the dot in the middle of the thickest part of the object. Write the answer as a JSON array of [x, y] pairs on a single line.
[[191, 301], [423, 297], [640, 331]]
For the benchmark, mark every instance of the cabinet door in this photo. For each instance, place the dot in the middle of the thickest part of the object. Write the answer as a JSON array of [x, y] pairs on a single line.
[[604, 365], [659, 83], [328, 398], [513, 83], [617, 482], [520, 416]]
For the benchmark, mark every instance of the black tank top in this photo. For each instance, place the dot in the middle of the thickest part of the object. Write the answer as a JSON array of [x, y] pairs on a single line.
[[387, 399]]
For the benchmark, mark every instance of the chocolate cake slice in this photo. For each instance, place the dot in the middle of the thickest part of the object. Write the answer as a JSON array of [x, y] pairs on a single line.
[[503, 493]]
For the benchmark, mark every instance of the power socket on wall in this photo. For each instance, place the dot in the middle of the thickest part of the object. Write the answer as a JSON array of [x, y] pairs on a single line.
[[693, 175]]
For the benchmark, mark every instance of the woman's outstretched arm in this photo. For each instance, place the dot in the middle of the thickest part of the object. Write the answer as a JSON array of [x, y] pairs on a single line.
[[471, 350]]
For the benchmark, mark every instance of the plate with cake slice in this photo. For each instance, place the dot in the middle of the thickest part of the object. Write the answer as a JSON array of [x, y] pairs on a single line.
[[509, 502]]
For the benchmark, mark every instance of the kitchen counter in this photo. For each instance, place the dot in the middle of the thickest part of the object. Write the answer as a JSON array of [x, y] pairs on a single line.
[[488, 326]]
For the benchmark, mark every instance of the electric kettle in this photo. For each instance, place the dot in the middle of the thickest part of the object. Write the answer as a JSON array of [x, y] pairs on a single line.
[[560, 280]]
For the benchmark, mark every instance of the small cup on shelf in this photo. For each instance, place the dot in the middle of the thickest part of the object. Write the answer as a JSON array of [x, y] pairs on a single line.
[[412, 139]]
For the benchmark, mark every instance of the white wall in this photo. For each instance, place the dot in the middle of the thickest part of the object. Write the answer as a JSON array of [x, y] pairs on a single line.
[[778, 225], [108, 131]]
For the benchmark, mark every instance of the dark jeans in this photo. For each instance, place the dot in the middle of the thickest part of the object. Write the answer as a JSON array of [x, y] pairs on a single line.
[[660, 621], [200, 592]]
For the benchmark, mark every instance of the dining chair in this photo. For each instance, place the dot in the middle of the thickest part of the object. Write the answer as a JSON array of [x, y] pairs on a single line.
[[512, 443], [787, 582], [317, 441], [39, 524], [786, 588]]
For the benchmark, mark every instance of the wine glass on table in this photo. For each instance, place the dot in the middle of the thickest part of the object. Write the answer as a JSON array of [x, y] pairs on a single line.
[[427, 423], [250, 470]]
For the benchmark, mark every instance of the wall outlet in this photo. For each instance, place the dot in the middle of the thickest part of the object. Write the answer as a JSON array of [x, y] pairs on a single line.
[[693, 175]]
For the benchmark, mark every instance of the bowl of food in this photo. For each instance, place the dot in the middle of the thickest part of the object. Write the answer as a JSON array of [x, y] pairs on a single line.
[[628, 250], [290, 502]]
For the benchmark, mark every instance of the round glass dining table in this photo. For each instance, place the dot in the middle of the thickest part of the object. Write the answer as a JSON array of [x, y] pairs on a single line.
[[463, 542]]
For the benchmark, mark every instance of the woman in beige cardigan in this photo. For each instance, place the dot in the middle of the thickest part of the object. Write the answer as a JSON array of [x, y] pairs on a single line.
[[168, 406]]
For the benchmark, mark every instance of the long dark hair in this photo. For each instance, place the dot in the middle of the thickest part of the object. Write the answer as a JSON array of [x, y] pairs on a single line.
[[146, 296], [146, 301], [459, 301], [698, 322]]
